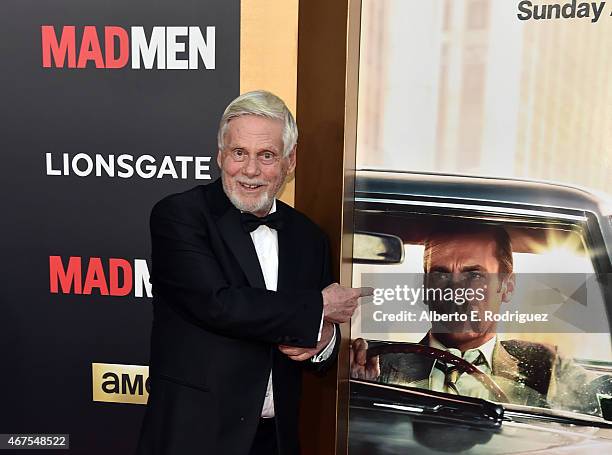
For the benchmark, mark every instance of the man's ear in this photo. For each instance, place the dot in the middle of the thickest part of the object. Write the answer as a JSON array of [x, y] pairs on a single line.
[[219, 161], [292, 157], [508, 287]]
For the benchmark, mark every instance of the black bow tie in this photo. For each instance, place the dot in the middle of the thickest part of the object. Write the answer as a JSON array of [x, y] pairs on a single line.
[[251, 222]]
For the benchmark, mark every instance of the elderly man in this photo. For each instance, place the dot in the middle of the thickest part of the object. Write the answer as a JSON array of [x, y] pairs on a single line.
[[243, 298], [535, 374]]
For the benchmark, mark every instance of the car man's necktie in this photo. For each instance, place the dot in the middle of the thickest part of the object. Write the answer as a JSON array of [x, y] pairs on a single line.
[[451, 372]]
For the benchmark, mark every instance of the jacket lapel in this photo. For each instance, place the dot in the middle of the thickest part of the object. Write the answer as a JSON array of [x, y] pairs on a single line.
[[504, 364], [287, 246], [241, 246], [235, 237], [428, 364], [507, 375]]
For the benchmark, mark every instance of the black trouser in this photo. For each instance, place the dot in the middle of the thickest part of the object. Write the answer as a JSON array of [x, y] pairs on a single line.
[[265, 438]]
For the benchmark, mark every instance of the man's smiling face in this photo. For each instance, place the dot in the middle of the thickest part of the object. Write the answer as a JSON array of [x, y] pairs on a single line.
[[253, 169]]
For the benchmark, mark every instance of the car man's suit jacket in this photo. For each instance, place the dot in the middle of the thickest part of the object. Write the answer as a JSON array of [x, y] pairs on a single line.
[[532, 374], [216, 329]]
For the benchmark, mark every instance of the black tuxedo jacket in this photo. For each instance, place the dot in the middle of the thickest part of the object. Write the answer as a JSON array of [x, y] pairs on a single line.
[[216, 329]]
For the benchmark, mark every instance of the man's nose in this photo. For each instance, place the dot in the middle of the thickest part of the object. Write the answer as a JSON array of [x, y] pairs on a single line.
[[456, 278], [251, 167]]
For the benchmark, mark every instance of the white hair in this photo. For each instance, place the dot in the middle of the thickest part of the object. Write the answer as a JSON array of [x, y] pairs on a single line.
[[263, 104]]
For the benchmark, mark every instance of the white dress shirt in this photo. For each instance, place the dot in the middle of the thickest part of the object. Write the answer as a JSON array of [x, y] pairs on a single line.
[[265, 240]]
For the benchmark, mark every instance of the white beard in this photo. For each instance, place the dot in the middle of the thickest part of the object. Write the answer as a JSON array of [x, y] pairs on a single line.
[[264, 201]]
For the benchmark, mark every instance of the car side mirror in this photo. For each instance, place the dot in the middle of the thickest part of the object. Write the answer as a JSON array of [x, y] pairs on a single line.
[[376, 248]]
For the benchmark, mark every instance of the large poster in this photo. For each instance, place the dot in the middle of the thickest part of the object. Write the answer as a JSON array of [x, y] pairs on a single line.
[[105, 108], [483, 220]]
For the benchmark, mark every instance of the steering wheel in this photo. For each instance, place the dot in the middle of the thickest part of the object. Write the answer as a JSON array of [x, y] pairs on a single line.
[[444, 356]]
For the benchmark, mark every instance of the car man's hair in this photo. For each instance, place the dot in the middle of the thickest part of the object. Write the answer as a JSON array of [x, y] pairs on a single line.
[[503, 250], [263, 104]]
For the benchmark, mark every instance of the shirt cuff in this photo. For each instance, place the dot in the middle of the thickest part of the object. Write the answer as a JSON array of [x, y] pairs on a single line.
[[320, 326], [327, 352]]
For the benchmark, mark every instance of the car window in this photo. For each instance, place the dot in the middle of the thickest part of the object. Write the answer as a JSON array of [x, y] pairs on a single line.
[[561, 370]]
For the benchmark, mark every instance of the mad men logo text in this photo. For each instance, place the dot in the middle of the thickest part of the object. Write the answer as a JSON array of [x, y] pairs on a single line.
[[113, 47], [109, 277]]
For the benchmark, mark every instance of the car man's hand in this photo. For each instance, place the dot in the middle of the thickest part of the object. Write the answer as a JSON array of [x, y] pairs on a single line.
[[339, 303], [301, 354], [361, 368]]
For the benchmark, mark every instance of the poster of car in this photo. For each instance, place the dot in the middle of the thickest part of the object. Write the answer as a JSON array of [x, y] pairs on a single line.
[[483, 219]]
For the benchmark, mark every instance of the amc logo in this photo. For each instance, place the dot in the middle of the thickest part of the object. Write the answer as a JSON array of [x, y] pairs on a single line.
[[120, 383]]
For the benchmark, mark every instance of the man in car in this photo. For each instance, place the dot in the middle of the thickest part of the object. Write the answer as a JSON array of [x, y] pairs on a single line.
[[534, 374]]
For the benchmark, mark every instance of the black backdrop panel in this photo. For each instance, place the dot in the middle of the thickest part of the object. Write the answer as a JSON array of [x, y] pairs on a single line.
[[50, 340]]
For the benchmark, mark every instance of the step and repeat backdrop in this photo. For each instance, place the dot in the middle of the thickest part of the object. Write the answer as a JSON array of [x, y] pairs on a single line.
[[106, 107]]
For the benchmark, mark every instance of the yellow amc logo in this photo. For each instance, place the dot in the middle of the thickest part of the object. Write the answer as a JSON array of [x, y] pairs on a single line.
[[120, 383]]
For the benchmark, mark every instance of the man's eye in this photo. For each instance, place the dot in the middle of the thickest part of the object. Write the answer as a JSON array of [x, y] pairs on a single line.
[[438, 276], [268, 155], [475, 275]]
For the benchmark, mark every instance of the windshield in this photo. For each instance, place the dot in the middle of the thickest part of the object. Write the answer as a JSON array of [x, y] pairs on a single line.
[[563, 364]]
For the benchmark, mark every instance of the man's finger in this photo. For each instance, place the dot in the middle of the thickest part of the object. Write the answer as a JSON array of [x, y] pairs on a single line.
[[289, 350], [353, 305], [372, 369], [373, 361], [365, 291], [360, 373], [373, 364], [361, 356], [361, 349], [301, 357], [359, 343]]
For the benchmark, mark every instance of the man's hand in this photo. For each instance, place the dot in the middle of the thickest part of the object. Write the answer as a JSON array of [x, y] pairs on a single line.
[[301, 354], [339, 303], [361, 368]]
